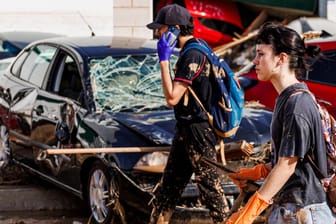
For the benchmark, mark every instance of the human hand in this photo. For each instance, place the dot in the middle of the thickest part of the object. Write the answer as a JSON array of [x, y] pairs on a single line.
[[325, 183], [334, 209], [164, 48], [253, 208], [241, 177], [241, 184], [254, 173]]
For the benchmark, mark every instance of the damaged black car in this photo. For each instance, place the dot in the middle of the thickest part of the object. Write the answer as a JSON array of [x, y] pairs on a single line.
[[88, 114]]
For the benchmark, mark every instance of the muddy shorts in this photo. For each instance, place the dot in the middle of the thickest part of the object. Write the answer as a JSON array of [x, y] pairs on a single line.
[[290, 213], [189, 144]]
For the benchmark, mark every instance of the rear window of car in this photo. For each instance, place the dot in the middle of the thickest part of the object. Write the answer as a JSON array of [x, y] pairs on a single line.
[[221, 26], [127, 83], [35, 66], [8, 49], [323, 70]]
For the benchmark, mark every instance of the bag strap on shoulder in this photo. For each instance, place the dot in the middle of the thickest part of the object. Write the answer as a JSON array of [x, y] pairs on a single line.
[[203, 47], [318, 172]]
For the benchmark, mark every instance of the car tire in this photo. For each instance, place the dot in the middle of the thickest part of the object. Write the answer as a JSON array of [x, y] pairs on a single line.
[[4, 146], [103, 196]]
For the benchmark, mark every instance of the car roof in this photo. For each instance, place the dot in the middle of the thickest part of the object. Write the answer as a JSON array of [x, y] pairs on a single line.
[[22, 38], [305, 24], [95, 46]]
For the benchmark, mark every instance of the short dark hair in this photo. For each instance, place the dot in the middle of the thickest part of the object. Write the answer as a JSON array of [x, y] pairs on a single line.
[[186, 30]]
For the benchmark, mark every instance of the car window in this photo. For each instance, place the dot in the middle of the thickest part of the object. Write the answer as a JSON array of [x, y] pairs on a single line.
[[127, 83], [68, 82], [18, 62], [221, 26], [35, 66], [324, 69]]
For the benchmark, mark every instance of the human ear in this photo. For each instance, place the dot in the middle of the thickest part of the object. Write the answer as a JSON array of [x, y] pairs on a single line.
[[283, 57]]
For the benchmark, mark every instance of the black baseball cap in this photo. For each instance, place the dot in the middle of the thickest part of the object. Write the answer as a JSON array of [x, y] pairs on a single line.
[[171, 15]]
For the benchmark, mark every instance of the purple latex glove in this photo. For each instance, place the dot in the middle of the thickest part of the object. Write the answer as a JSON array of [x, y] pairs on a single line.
[[163, 47]]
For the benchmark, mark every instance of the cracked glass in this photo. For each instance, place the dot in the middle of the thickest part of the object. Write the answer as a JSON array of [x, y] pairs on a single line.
[[129, 83]]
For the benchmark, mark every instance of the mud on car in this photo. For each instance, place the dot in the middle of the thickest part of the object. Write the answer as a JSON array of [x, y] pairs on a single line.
[[88, 114]]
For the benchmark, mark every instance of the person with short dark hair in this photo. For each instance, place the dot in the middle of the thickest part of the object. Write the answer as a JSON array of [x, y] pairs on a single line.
[[291, 185], [194, 138]]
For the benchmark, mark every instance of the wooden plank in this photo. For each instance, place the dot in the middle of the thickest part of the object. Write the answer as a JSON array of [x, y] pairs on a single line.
[[257, 22], [106, 150]]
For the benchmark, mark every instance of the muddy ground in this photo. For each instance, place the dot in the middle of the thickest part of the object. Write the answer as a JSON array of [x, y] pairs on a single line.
[[13, 175], [60, 217]]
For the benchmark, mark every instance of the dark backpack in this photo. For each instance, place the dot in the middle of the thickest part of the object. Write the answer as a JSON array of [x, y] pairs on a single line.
[[227, 101]]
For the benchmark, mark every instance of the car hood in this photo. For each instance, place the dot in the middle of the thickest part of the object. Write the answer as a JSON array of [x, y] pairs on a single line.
[[254, 126], [159, 127]]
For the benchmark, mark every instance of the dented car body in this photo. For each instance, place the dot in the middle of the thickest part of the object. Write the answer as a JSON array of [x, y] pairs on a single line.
[[100, 97]]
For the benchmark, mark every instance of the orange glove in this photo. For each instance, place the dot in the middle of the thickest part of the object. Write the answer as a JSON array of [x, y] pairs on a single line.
[[255, 173], [252, 209]]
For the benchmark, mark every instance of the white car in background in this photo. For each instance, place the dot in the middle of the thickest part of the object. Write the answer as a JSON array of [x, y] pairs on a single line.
[[12, 42], [4, 63]]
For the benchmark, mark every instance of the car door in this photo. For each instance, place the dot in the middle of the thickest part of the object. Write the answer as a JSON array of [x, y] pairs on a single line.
[[53, 119], [24, 83], [45, 90]]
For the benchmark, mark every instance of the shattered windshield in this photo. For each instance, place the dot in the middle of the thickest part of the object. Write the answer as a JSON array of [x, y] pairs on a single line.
[[127, 83]]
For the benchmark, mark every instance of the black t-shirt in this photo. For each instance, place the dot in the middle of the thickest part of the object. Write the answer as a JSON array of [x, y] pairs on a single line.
[[296, 130], [193, 68]]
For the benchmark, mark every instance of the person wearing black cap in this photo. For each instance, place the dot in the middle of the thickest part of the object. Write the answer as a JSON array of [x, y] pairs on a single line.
[[194, 137]]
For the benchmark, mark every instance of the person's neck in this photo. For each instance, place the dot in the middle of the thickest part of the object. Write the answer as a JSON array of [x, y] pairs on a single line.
[[284, 81], [184, 39]]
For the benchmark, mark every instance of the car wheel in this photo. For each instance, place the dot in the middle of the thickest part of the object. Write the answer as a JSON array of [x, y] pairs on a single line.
[[4, 146], [103, 196]]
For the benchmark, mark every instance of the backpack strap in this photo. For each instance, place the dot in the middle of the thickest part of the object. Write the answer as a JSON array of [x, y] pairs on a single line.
[[186, 95], [200, 69], [210, 118], [292, 93], [318, 172], [203, 47], [206, 51]]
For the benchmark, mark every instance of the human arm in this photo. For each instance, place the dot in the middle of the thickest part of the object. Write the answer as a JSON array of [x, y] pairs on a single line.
[[276, 179], [278, 176], [173, 90]]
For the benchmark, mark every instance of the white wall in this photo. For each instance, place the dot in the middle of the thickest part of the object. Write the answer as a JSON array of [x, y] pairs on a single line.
[[331, 10], [132, 16], [70, 17], [106, 17]]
